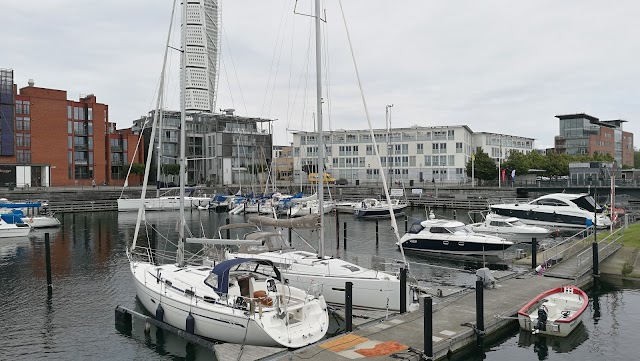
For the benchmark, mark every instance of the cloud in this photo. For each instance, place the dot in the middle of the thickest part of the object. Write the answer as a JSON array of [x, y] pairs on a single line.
[[495, 65]]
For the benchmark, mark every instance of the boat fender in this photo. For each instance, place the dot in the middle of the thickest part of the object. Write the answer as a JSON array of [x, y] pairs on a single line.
[[565, 313], [190, 324], [160, 313], [542, 318]]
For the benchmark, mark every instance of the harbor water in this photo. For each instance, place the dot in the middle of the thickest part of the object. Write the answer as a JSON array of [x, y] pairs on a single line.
[[91, 277]]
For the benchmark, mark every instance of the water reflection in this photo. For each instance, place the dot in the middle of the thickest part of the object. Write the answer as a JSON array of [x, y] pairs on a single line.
[[540, 344]]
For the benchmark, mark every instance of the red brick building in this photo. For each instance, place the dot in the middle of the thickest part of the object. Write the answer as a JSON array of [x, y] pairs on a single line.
[[61, 142]]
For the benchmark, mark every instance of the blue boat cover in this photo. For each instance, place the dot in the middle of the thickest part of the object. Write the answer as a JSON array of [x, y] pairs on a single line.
[[11, 218], [20, 205], [221, 270]]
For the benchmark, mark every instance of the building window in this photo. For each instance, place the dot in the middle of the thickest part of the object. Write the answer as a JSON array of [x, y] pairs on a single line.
[[427, 160], [443, 147], [69, 112], [420, 148], [27, 140], [369, 149], [19, 140], [458, 147]]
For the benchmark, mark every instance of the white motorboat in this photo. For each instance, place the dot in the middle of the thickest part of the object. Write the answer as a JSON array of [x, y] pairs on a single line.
[[452, 237], [509, 228], [8, 230], [561, 210], [35, 219], [373, 208], [555, 312], [242, 301], [372, 288]]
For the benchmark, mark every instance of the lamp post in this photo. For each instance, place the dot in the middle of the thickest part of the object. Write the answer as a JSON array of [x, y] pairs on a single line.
[[389, 145], [421, 177]]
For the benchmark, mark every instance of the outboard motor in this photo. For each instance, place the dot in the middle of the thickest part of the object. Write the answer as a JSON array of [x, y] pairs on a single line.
[[542, 319]]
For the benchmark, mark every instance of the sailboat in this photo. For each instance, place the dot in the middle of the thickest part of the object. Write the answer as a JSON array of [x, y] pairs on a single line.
[[244, 300], [372, 288]]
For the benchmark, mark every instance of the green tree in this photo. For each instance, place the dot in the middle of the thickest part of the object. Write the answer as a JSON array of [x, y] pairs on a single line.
[[137, 168], [636, 159], [171, 169], [485, 167]]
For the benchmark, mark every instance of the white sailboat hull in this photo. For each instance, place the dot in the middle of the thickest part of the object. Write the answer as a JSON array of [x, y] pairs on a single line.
[[160, 204], [371, 289], [221, 322]]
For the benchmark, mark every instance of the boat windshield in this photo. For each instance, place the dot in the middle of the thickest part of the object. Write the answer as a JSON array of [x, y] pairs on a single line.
[[517, 223], [416, 228], [587, 203], [459, 230]]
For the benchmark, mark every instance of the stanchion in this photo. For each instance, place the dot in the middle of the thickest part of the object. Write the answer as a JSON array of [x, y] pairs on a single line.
[[228, 230], [337, 230]]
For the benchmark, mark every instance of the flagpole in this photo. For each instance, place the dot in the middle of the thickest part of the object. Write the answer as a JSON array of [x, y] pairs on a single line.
[[473, 170]]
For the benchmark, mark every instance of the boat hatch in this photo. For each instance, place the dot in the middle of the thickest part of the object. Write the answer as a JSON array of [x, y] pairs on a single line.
[[351, 268]]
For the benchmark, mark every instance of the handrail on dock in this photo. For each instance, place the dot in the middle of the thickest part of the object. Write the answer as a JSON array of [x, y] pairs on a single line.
[[609, 241]]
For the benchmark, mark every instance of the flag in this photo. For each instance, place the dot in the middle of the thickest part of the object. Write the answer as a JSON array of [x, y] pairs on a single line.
[[513, 174], [504, 173], [473, 156]]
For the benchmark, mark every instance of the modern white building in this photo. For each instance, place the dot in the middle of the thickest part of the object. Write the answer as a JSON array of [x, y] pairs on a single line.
[[202, 54], [436, 154], [499, 146]]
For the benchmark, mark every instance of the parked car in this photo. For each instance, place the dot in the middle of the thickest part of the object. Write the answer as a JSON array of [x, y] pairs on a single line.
[[342, 182]]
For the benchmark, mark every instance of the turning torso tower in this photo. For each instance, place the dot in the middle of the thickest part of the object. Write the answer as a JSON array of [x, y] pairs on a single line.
[[202, 54]]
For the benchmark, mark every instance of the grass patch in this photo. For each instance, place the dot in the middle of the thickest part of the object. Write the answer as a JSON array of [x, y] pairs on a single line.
[[631, 236]]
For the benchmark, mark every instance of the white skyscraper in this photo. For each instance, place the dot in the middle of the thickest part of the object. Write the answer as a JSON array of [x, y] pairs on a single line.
[[202, 54]]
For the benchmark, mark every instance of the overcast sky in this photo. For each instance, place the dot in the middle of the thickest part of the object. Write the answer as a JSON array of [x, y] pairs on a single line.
[[496, 66]]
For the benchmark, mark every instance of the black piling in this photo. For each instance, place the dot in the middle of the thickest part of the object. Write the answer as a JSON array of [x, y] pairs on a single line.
[[348, 306], [337, 230], [228, 230], [377, 236], [534, 253], [427, 306], [480, 314], [344, 236], [455, 215], [406, 223], [403, 290], [594, 248], [289, 236], [47, 257]]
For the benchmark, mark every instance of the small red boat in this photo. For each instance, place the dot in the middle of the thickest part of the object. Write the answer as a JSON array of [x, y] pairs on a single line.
[[556, 312]]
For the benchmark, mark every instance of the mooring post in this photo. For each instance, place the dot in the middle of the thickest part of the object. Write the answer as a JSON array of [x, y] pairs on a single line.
[[480, 314], [427, 307], [594, 248], [47, 257], [228, 230], [406, 223], [289, 236], [403, 290], [534, 253], [123, 321], [344, 236], [337, 230], [348, 306], [377, 236]]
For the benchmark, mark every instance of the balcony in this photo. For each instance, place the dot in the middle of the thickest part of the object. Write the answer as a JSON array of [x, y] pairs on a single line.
[[81, 132], [116, 148], [81, 162], [81, 147]]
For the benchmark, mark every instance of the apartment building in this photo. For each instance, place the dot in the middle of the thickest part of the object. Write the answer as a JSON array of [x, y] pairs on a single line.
[[585, 134], [283, 162], [48, 140], [222, 148], [499, 146], [417, 154]]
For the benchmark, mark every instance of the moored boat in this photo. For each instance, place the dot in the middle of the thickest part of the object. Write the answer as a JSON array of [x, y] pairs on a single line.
[[555, 312], [509, 228]]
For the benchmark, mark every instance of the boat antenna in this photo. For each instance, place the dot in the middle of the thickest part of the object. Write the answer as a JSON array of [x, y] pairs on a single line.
[[394, 224]]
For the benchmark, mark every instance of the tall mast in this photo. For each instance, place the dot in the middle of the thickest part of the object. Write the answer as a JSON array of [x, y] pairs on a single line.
[[320, 170], [183, 131]]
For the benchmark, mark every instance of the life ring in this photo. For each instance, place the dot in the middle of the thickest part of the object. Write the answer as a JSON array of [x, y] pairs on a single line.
[[31, 220]]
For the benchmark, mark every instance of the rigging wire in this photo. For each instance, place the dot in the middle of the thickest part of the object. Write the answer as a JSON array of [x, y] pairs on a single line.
[[224, 33], [273, 57]]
